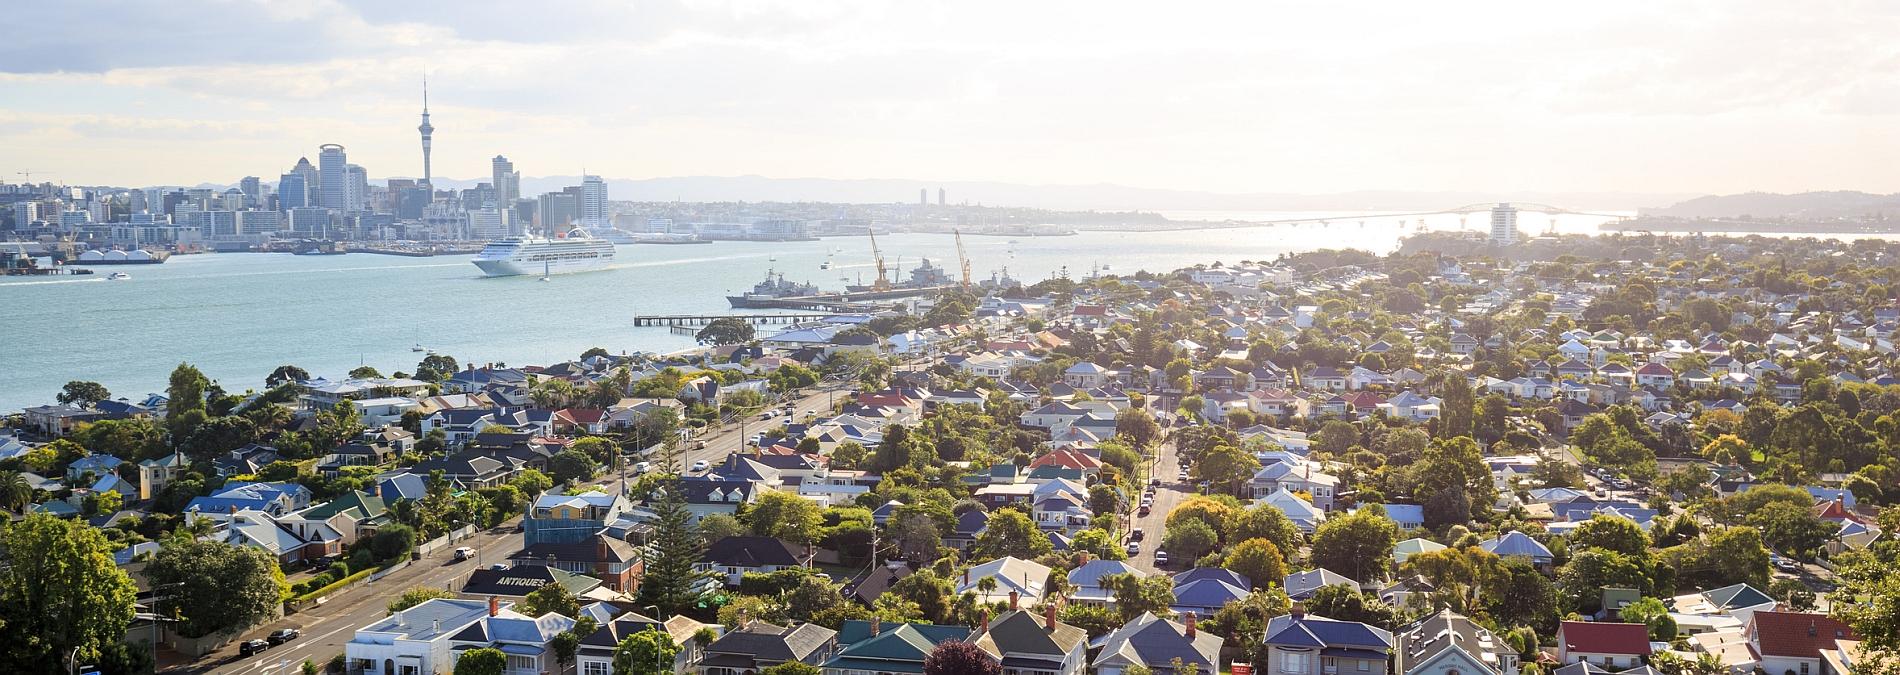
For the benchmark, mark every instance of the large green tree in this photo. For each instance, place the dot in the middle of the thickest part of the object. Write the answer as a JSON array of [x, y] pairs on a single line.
[[59, 591], [186, 391], [647, 652], [83, 392], [484, 661], [551, 598], [786, 516], [1614, 533], [725, 332], [1010, 533], [219, 586], [671, 582], [1357, 544]]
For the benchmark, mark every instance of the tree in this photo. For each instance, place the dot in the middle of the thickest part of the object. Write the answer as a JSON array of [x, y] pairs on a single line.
[[1791, 529], [1226, 464], [220, 586], [1526, 598], [392, 541], [849, 455], [1097, 542], [286, 373], [671, 582], [1189, 539], [1010, 533], [1651, 612], [1614, 533], [1457, 411], [416, 596], [955, 657], [436, 368], [569, 466], [1583, 578], [1258, 560], [725, 332], [83, 393], [59, 591], [186, 391], [484, 661], [15, 492], [550, 598], [1357, 544], [791, 668], [785, 516], [1268, 523], [1138, 427], [365, 372], [647, 652], [716, 526], [1345, 603]]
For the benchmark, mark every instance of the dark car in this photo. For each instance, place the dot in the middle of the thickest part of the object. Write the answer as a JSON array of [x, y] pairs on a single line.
[[284, 635], [252, 647]]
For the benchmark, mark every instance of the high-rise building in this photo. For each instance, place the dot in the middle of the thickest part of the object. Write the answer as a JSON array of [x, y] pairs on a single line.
[[1504, 224], [333, 177], [253, 190], [292, 192], [556, 210], [428, 132], [233, 199], [356, 188], [259, 222], [923, 196], [310, 221], [507, 182], [486, 223], [940, 196], [593, 206]]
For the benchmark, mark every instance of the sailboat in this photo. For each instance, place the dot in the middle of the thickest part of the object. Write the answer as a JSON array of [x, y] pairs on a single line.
[[547, 268]]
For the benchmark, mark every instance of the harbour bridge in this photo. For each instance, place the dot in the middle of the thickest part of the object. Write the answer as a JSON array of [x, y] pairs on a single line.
[[1462, 211]]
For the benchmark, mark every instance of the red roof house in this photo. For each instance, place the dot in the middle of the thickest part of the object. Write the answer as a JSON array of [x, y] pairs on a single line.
[[1616, 646]]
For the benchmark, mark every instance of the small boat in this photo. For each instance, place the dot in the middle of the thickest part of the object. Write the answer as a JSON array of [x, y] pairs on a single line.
[[115, 276], [418, 348], [547, 269]]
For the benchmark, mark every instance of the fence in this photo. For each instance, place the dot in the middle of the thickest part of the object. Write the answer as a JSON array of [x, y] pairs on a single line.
[[442, 542]]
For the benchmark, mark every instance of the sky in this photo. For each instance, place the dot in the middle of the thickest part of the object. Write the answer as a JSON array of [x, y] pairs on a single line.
[[1714, 96]]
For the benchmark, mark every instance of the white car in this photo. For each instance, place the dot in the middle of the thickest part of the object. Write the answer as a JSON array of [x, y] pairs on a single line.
[[643, 467], [700, 465], [1133, 548], [464, 553]]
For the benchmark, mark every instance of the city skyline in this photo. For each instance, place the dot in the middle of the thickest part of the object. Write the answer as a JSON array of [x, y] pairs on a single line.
[[1273, 98]]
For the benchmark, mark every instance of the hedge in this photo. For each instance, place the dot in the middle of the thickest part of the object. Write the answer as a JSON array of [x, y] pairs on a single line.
[[333, 586]]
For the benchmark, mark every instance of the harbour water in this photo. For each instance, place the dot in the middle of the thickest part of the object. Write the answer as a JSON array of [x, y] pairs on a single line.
[[237, 316]]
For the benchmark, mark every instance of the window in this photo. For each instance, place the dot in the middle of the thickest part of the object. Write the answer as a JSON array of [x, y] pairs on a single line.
[[1364, 665], [1804, 668], [1291, 662], [597, 668]]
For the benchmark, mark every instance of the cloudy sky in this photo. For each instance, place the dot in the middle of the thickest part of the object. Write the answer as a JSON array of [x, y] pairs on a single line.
[[1692, 96]]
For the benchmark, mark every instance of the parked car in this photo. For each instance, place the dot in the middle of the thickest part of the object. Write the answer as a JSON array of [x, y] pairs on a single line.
[[1154, 483], [250, 647], [1145, 509], [700, 465], [1137, 535], [283, 635], [464, 553], [498, 566], [643, 467], [1133, 548], [1161, 558]]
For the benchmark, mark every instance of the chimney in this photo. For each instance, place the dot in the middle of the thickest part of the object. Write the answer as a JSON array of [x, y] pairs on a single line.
[[435, 625], [494, 605], [1013, 598], [985, 621], [743, 621], [1049, 616], [1190, 626], [877, 625], [1299, 611], [966, 577]]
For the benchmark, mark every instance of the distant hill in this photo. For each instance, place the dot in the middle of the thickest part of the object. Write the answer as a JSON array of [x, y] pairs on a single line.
[[1100, 196], [1768, 205]]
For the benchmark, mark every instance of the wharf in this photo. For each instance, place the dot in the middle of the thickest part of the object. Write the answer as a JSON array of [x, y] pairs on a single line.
[[683, 320]]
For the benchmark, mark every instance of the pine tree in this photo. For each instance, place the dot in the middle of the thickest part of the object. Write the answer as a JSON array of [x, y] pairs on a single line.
[[670, 581]]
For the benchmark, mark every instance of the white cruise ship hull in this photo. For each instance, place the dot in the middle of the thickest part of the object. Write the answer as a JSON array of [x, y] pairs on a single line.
[[517, 257]]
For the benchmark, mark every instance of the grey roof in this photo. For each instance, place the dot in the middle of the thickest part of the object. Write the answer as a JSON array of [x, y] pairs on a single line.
[[1444, 630], [1152, 641], [420, 621], [1020, 632], [769, 643]]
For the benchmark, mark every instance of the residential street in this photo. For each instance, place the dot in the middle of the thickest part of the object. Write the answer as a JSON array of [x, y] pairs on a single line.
[[327, 627], [1171, 493]]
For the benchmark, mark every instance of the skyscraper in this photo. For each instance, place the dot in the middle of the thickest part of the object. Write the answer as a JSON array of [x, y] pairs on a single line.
[[923, 196], [291, 192], [356, 190], [593, 206], [428, 130], [311, 181], [332, 177], [253, 190], [506, 181], [1504, 224], [940, 196]]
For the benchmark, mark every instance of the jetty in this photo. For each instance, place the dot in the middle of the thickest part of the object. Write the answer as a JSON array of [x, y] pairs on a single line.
[[703, 319]]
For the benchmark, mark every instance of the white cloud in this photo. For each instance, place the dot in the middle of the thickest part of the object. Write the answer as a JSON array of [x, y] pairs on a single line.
[[1268, 96]]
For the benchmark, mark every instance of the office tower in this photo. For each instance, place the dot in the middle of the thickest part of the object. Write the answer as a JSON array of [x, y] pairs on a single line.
[[253, 190], [593, 205], [310, 222], [332, 177], [556, 210], [356, 188], [940, 196], [428, 131], [233, 199], [311, 181], [1503, 224], [292, 192], [923, 196], [486, 223], [507, 182], [259, 222]]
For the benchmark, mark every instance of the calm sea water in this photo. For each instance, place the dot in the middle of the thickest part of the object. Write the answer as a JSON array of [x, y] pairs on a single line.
[[237, 316]]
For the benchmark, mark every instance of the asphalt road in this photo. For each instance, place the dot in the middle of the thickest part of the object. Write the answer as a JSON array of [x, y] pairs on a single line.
[[328, 626], [1172, 492]]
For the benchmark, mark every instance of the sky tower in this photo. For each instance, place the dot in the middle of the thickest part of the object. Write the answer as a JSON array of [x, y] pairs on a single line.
[[427, 130]]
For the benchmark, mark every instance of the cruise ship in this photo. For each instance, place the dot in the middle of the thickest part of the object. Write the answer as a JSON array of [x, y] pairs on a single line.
[[521, 255]]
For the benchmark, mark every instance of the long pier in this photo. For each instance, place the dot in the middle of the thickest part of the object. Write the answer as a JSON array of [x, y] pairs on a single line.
[[703, 319]]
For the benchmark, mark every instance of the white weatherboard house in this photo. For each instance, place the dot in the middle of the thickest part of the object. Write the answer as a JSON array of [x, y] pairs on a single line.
[[414, 641]]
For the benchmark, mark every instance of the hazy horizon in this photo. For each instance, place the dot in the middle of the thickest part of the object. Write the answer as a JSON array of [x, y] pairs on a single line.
[[1262, 98]]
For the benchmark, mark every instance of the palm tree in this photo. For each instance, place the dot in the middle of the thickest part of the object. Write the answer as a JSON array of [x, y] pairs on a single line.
[[15, 492]]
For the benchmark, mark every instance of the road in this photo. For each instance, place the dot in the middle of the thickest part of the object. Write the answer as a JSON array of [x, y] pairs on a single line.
[[1172, 492], [327, 627]]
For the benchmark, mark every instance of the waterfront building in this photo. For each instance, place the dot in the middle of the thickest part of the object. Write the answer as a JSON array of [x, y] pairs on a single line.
[[355, 188], [310, 221], [486, 223], [259, 222], [1504, 224], [593, 204], [556, 210], [332, 177]]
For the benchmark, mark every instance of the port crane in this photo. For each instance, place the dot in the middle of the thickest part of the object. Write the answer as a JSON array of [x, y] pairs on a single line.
[[963, 260], [882, 283]]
